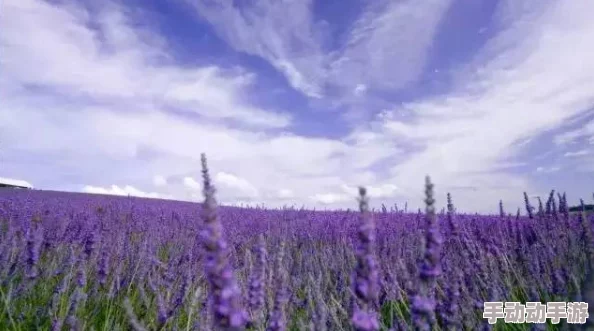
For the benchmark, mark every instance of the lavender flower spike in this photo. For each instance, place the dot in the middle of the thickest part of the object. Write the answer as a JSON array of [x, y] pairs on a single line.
[[541, 211], [224, 290], [256, 281], [366, 276], [529, 208], [423, 307], [278, 318], [33, 245]]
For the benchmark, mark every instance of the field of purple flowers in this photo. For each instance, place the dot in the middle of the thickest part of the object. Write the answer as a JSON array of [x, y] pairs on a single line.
[[87, 262]]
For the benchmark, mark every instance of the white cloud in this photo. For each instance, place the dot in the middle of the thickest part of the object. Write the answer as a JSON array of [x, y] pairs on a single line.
[[386, 47], [192, 184], [548, 170], [360, 89], [383, 191], [239, 186], [379, 192], [329, 198], [579, 153], [62, 52], [349, 194], [586, 130], [285, 194], [389, 44], [159, 181], [15, 182], [123, 191], [282, 33]]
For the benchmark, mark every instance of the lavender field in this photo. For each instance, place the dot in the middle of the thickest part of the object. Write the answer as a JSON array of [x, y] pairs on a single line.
[[89, 262]]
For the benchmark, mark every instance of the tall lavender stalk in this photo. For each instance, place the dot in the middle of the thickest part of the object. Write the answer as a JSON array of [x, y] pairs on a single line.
[[423, 308], [518, 214], [33, 250], [563, 207], [450, 214], [257, 279], [278, 318], [529, 208], [450, 203], [366, 275], [587, 237], [541, 211], [224, 290]]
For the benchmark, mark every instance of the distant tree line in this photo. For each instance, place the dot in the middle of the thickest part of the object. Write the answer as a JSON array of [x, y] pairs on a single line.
[[579, 208]]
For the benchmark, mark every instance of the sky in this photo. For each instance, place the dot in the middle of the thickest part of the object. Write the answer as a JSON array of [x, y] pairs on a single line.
[[298, 102]]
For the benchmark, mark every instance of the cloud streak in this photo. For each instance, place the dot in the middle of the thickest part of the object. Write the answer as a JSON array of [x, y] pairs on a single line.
[[123, 66], [15, 182], [385, 48], [123, 191]]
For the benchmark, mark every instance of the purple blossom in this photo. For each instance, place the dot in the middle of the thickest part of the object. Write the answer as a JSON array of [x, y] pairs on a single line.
[[529, 208], [103, 267], [366, 274], [257, 277], [278, 318], [226, 296], [33, 250], [423, 307], [541, 211]]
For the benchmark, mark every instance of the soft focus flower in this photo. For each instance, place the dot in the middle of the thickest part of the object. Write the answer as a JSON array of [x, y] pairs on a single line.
[[366, 275], [423, 307], [257, 277], [226, 296]]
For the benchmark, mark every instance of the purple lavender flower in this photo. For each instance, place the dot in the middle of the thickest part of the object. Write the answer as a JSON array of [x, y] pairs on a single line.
[[541, 211], [450, 203], [163, 311], [317, 307], [554, 209], [586, 236], [450, 215], [179, 298], [551, 205], [57, 324], [33, 251], [90, 243], [563, 207], [226, 295], [423, 308], [366, 275], [256, 281], [451, 311], [529, 208], [518, 214], [103, 268], [114, 287], [278, 318]]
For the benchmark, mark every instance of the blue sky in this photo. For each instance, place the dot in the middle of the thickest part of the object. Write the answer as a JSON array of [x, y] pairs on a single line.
[[299, 102]]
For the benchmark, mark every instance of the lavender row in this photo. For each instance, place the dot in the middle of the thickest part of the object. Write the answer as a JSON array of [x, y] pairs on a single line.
[[83, 262]]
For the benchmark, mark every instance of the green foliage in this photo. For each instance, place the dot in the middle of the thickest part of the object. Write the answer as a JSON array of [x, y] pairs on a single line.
[[392, 310]]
